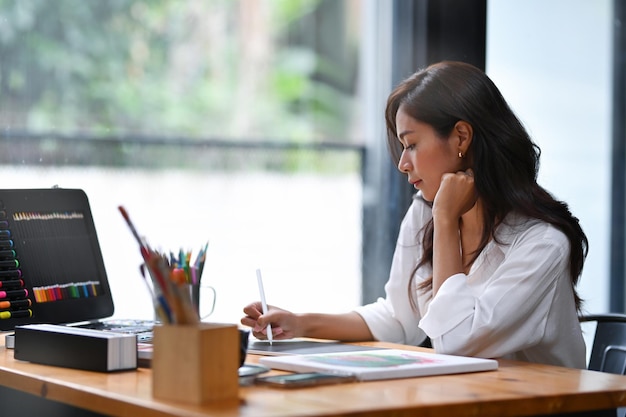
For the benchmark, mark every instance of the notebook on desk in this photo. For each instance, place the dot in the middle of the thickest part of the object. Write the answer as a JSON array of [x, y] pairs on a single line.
[[380, 364], [51, 266]]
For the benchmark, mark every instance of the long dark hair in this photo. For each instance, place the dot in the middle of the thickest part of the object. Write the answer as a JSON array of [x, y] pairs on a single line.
[[504, 158]]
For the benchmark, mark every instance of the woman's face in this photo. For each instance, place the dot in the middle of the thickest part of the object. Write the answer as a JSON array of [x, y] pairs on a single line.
[[425, 156]]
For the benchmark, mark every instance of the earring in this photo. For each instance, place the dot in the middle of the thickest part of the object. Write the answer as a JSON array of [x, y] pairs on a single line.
[[460, 154]]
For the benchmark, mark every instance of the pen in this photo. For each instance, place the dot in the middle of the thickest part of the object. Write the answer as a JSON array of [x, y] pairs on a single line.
[[263, 303], [131, 226]]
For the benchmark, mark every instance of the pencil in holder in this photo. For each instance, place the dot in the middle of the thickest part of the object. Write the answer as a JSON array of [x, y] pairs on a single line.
[[196, 363]]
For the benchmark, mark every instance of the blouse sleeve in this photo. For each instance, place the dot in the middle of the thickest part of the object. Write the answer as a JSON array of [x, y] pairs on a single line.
[[393, 319], [503, 305]]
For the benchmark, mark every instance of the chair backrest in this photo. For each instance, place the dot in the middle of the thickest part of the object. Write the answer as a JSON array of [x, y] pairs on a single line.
[[608, 353]]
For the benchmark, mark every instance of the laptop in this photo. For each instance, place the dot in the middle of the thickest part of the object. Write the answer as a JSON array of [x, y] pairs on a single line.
[[51, 265], [52, 271]]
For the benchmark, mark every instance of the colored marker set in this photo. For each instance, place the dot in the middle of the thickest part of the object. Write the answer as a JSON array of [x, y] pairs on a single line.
[[172, 280], [58, 292], [14, 301]]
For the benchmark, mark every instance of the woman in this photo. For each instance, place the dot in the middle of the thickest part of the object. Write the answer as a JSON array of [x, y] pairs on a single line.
[[487, 260]]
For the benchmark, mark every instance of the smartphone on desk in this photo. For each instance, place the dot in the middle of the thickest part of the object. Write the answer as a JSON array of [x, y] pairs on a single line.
[[306, 379]]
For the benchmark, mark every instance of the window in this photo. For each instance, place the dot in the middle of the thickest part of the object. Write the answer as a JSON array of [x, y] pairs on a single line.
[[233, 122], [552, 61]]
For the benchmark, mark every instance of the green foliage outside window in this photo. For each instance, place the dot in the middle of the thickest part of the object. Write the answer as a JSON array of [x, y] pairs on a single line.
[[227, 69]]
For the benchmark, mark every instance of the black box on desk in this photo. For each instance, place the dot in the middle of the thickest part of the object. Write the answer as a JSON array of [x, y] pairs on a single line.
[[72, 347]]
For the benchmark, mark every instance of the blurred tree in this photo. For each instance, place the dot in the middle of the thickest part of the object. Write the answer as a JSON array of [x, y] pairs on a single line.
[[254, 69]]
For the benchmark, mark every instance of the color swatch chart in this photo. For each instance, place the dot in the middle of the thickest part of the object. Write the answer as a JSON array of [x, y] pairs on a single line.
[[14, 300], [56, 271]]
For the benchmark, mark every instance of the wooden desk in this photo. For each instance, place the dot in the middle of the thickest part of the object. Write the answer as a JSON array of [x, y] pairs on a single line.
[[516, 389]]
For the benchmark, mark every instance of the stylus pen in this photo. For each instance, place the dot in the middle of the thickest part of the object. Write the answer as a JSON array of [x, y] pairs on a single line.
[[263, 303]]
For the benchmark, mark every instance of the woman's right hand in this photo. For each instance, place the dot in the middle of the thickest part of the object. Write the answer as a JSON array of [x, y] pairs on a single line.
[[284, 323], [456, 195]]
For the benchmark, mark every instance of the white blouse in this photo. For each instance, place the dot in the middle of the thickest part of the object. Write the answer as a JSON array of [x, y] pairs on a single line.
[[515, 303]]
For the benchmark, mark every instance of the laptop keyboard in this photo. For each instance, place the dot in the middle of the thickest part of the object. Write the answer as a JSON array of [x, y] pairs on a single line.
[[142, 328]]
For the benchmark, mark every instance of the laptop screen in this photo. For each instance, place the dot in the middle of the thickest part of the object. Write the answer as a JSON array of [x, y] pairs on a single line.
[[51, 267]]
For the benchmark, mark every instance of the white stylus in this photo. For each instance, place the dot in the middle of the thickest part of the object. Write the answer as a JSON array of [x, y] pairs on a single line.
[[263, 303]]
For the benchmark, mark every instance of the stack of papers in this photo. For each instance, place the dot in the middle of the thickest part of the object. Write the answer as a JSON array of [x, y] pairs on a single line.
[[380, 364]]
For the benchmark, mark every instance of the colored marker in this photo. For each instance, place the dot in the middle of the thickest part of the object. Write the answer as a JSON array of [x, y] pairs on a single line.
[[6, 243], [14, 293], [15, 273], [17, 314], [7, 254], [13, 263], [12, 283], [25, 303]]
